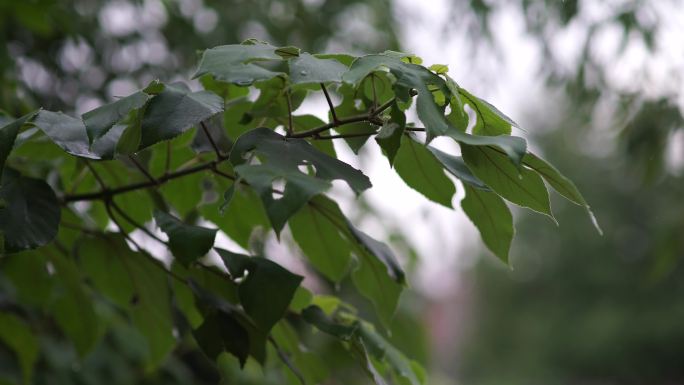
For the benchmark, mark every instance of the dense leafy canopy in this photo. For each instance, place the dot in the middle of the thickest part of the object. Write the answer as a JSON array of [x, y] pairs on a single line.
[[182, 158]]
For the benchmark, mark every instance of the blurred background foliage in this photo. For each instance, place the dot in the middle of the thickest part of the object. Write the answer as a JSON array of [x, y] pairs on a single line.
[[577, 308]]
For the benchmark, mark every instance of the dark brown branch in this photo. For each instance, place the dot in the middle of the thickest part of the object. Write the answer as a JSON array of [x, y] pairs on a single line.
[[105, 194]]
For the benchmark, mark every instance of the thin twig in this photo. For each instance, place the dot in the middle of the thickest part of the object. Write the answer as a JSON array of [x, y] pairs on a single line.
[[135, 224], [211, 140], [223, 174], [330, 103], [142, 251], [375, 95], [95, 174], [142, 169], [290, 126], [339, 136], [167, 164]]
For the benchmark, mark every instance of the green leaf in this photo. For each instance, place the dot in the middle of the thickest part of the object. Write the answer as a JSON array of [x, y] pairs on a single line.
[[492, 218], [308, 367], [439, 69], [457, 167], [522, 187], [136, 284], [421, 171], [73, 309], [16, 335], [100, 120], [222, 332], [490, 121], [8, 134], [309, 69], [175, 110], [235, 63], [31, 213], [373, 281], [281, 158], [316, 317], [235, 338], [348, 107], [263, 276], [409, 76], [560, 183], [188, 243], [513, 146], [320, 240], [389, 136], [380, 251], [241, 218], [384, 351], [70, 134], [288, 52]]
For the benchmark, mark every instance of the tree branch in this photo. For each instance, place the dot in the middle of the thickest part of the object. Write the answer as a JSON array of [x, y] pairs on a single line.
[[106, 194]]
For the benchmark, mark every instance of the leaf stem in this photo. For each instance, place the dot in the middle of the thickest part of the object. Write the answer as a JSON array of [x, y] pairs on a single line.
[[142, 169], [211, 140], [95, 174], [330, 103], [290, 124], [367, 117]]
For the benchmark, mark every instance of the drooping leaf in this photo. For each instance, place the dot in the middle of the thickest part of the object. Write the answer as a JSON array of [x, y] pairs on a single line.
[[384, 351], [100, 120], [136, 284], [240, 323], [316, 317], [520, 186], [374, 282], [280, 159], [30, 215], [560, 183], [241, 218], [235, 63], [380, 251], [16, 334], [457, 167], [174, 110], [263, 276], [348, 107], [389, 136], [306, 366], [8, 134], [221, 332], [309, 69], [73, 308], [492, 218], [188, 243], [490, 121], [409, 76], [421, 171], [320, 240]]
